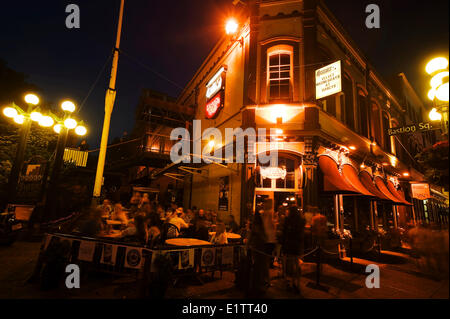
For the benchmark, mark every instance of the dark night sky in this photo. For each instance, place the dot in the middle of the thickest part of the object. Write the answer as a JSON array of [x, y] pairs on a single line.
[[172, 37]]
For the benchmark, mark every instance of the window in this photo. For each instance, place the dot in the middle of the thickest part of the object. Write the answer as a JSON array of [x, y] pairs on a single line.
[[349, 117], [363, 116], [376, 124], [280, 72], [387, 138], [289, 166]]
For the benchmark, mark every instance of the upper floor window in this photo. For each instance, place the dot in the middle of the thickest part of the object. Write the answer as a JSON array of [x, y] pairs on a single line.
[[387, 138], [279, 64], [363, 116], [376, 123], [347, 102]]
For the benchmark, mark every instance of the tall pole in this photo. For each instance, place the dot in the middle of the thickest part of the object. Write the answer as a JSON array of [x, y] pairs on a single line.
[[51, 200], [14, 176], [109, 104]]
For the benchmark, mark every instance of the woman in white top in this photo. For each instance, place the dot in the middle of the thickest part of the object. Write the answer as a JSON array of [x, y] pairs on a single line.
[[220, 237]]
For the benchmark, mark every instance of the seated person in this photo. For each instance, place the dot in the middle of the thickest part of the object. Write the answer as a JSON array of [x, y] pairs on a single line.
[[200, 231], [106, 208], [137, 230], [119, 214], [232, 226], [178, 221], [220, 237], [92, 224]]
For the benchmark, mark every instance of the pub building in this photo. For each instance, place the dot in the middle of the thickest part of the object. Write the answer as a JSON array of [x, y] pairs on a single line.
[[291, 66]]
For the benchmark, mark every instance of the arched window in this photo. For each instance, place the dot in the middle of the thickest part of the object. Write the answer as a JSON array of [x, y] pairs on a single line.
[[387, 138], [347, 102], [280, 73], [363, 115], [376, 123]]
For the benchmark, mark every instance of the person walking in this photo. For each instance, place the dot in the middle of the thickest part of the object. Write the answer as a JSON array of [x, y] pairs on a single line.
[[256, 244]]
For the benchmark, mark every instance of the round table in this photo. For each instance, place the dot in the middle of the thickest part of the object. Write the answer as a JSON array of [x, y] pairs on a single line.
[[186, 242], [112, 234], [229, 235]]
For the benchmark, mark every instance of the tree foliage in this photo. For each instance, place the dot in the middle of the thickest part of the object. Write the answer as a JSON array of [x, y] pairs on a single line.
[[435, 163]]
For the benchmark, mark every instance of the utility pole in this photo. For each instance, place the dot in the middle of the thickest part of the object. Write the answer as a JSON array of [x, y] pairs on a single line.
[[109, 104]]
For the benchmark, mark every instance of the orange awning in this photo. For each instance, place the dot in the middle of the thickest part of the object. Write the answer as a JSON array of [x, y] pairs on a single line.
[[397, 194], [368, 183], [383, 188], [333, 181], [351, 176]]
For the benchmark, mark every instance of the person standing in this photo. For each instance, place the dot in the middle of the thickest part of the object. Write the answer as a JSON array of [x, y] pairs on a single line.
[[292, 246], [256, 244]]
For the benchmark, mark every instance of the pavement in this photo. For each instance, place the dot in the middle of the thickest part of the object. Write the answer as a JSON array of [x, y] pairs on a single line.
[[401, 277]]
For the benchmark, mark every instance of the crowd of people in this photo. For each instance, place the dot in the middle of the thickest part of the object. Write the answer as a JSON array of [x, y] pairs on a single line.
[[151, 224], [272, 238]]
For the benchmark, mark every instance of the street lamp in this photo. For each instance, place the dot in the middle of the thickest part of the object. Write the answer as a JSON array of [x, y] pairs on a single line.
[[438, 69], [25, 119]]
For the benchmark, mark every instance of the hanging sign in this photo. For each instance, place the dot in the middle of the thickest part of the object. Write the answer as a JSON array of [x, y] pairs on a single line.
[[109, 254], [328, 80], [420, 191], [273, 172], [215, 90], [133, 257]]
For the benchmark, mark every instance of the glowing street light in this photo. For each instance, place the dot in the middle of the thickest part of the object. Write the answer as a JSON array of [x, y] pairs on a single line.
[[231, 26], [9, 112], [68, 106], [70, 123], [32, 99], [80, 130], [46, 121], [57, 128], [434, 115], [19, 119], [36, 116], [436, 64], [442, 92]]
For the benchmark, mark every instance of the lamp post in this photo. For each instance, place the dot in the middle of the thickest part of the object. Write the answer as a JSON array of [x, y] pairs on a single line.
[[20, 117], [62, 127], [439, 92], [25, 119]]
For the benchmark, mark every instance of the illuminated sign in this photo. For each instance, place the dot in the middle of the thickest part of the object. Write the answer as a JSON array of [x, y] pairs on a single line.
[[214, 93], [216, 83], [328, 80], [273, 172], [420, 191], [214, 105]]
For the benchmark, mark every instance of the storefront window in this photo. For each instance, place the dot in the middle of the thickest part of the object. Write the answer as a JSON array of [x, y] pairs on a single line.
[[267, 176]]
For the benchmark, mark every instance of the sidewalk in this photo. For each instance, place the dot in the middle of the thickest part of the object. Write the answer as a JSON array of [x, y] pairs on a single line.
[[399, 279]]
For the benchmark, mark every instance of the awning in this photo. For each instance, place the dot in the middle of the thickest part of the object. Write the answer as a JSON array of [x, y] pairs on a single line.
[[333, 181], [397, 194], [383, 188], [367, 181], [351, 176]]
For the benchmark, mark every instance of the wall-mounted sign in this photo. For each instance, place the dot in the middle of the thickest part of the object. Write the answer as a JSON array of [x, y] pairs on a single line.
[[216, 83], [420, 191], [215, 89], [214, 105], [273, 172], [328, 80], [421, 127]]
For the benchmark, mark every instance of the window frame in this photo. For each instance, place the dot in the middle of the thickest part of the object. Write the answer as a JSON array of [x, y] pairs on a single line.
[[278, 50]]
